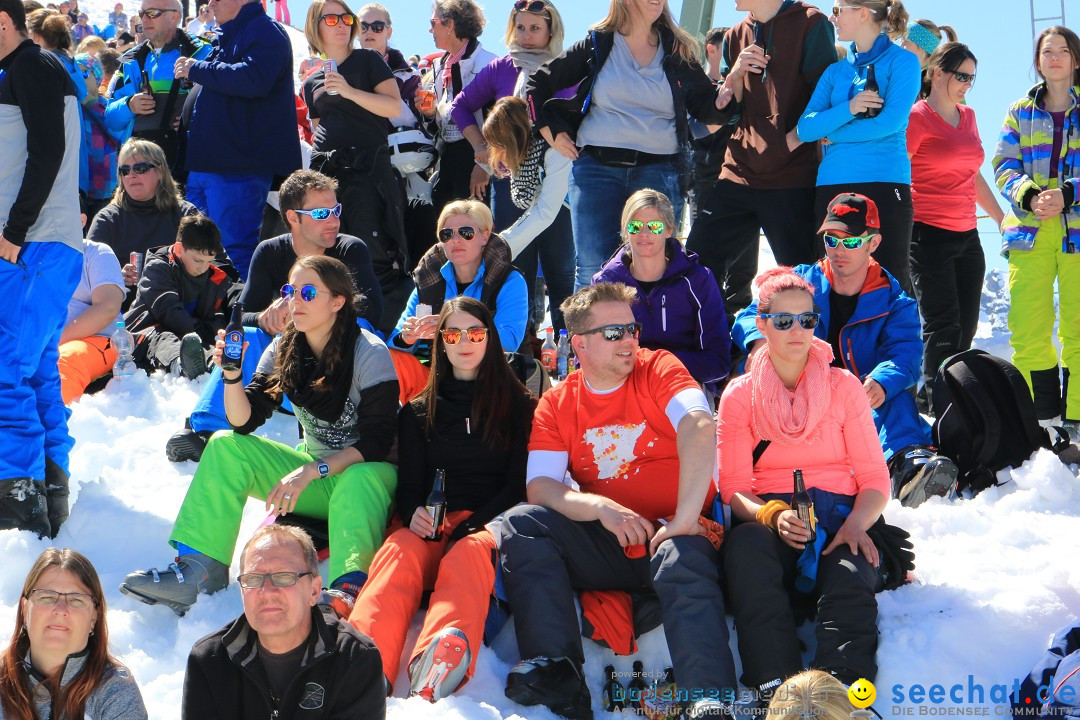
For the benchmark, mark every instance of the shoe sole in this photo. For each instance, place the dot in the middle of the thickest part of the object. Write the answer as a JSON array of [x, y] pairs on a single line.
[[184, 448], [935, 479], [192, 358], [451, 651], [179, 608], [529, 695]]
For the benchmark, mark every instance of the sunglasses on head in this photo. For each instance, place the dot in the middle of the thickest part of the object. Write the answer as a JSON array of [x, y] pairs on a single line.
[[251, 581], [963, 76], [321, 213], [614, 333], [784, 321], [850, 243], [531, 6], [466, 233], [332, 20], [154, 13], [376, 27], [656, 227], [139, 168], [307, 292], [476, 334]]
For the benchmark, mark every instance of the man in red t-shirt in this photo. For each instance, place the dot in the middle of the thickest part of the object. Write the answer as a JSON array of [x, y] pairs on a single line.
[[636, 434]]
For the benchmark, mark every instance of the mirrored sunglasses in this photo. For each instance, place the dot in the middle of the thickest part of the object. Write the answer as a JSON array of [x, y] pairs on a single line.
[[963, 77], [466, 233], [321, 213], [332, 20], [614, 333], [476, 334], [154, 13], [307, 292], [656, 227], [850, 243], [784, 321]]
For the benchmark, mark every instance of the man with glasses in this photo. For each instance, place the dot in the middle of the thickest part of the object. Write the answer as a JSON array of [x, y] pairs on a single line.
[[285, 655], [153, 112], [873, 327], [242, 134], [636, 434]]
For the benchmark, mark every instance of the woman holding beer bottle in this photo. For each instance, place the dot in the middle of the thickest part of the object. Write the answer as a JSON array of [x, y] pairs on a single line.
[[792, 412], [472, 424]]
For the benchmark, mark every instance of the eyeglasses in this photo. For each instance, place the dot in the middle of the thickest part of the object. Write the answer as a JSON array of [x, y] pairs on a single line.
[[320, 213], [531, 6], [307, 292], [376, 27], [139, 168], [476, 334], [963, 77], [614, 333], [466, 233], [332, 20], [251, 581], [49, 598], [656, 227], [784, 321], [850, 243], [154, 13], [837, 8]]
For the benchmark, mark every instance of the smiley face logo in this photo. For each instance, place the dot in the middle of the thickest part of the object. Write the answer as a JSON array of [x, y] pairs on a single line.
[[862, 693]]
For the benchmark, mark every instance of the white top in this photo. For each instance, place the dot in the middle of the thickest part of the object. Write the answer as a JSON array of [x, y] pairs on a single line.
[[545, 208], [100, 267]]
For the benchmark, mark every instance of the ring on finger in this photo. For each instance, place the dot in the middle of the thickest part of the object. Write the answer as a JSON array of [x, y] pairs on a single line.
[[288, 497]]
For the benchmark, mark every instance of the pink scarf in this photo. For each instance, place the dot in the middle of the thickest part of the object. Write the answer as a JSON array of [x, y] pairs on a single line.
[[791, 417]]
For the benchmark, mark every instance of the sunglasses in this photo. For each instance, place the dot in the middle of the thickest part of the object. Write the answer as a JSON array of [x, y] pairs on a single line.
[[50, 598], [436, 21], [466, 233], [332, 20], [531, 6], [850, 243], [251, 581], [476, 334], [376, 27], [139, 168], [784, 321], [321, 213], [963, 77], [154, 13], [614, 333], [837, 8], [656, 227], [307, 292]]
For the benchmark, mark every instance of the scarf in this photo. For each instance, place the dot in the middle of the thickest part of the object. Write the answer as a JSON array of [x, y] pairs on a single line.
[[525, 184], [785, 417], [326, 405], [527, 62]]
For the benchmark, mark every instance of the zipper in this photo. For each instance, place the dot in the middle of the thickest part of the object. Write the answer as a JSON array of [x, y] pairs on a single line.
[[663, 312], [850, 350]]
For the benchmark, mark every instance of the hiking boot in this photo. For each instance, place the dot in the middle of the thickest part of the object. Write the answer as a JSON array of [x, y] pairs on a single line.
[[179, 585], [192, 356], [56, 495], [187, 444], [558, 684], [340, 601], [23, 506], [935, 478], [442, 667]]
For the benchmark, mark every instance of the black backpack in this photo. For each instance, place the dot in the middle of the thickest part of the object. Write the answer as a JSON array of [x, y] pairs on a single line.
[[985, 417]]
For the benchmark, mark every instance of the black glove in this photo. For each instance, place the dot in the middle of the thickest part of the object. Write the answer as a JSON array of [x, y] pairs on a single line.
[[896, 551], [466, 527]]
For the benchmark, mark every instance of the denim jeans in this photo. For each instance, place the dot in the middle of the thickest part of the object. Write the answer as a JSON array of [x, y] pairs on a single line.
[[597, 195]]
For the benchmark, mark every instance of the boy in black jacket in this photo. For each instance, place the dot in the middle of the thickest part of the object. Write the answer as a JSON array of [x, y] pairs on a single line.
[[182, 301]]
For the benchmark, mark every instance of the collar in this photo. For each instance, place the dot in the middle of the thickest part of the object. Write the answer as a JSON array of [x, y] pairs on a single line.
[[241, 643], [6, 62], [248, 12], [876, 276], [447, 271], [879, 48]]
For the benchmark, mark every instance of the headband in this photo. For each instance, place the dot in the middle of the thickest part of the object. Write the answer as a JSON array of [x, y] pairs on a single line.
[[925, 39]]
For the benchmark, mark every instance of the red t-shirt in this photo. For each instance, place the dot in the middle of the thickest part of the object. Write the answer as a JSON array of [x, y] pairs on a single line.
[[620, 444], [944, 162]]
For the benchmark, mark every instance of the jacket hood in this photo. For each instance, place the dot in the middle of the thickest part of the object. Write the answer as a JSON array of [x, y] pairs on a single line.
[[497, 255]]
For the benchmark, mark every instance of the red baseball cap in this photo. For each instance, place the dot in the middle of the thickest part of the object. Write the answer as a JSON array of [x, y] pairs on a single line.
[[853, 214]]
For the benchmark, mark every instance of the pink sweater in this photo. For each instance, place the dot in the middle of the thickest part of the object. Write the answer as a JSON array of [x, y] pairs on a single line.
[[846, 459]]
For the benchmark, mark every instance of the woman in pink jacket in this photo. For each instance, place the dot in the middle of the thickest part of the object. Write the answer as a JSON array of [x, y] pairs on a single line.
[[793, 411]]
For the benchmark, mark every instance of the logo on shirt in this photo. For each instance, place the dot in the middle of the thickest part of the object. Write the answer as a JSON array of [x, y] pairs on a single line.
[[313, 696], [613, 448]]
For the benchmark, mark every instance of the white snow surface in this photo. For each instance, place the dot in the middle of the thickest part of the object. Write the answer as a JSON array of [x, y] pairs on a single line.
[[995, 575]]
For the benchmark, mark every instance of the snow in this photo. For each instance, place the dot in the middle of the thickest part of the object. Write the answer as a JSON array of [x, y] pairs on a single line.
[[996, 575]]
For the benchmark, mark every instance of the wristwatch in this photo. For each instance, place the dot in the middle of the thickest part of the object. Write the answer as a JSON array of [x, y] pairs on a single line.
[[324, 469]]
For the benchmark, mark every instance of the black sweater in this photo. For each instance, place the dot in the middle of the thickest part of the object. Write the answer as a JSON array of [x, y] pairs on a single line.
[[480, 478]]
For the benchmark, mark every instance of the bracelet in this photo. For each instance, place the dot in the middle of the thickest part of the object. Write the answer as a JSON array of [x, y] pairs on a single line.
[[769, 513], [232, 381]]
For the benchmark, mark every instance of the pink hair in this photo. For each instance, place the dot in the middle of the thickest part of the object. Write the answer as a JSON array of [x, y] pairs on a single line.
[[777, 280]]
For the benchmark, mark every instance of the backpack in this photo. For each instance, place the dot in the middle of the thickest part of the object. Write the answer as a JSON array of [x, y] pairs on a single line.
[[1052, 689], [531, 374], [985, 417]]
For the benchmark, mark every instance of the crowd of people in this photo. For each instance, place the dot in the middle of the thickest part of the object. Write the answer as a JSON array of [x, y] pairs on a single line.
[[393, 238]]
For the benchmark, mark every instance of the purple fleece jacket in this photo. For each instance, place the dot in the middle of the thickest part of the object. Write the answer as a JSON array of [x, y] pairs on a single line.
[[494, 82]]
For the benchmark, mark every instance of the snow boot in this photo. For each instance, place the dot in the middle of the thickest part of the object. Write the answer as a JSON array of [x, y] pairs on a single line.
[[187, 444], [1046, 390], [23, 506], [556, 683], [56, 495], [919, 472], [192, 356], [179, 585], [442, 667]]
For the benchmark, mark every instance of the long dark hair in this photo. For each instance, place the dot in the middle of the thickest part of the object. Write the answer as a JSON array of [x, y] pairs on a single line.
[[1071, 40], [498, 393], [948, 57], [70, 701], [289, 374]]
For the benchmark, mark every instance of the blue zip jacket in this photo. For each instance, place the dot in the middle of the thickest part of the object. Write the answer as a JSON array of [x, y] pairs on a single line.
[[244, 122], [682, 313], [880, 341], [864, 149]]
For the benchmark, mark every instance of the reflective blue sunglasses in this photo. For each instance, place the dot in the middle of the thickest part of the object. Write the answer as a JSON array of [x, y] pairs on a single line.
[[307, 292], [321, 213]]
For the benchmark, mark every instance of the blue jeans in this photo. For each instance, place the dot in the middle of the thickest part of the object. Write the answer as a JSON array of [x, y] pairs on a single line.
[[235, 203], [597, 195], [33, 419]]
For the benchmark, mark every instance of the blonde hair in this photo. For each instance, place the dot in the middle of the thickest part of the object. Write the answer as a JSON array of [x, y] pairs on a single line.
[[375, 7], [475, 209], [618, 20], [167, 196], [314, 17], [811, 695], [890, 14], [555, 27], [91, 45], [577, 309], [643, 199], [507, 130]]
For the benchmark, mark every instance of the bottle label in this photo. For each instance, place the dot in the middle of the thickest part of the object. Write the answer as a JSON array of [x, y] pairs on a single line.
[[549, 358], [234, 345]]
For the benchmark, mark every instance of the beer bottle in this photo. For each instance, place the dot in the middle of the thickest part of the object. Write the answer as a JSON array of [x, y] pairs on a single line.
[[871, 84], [234, 340], [436, 505], [637, 690], [804, 507], [614, 692]]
